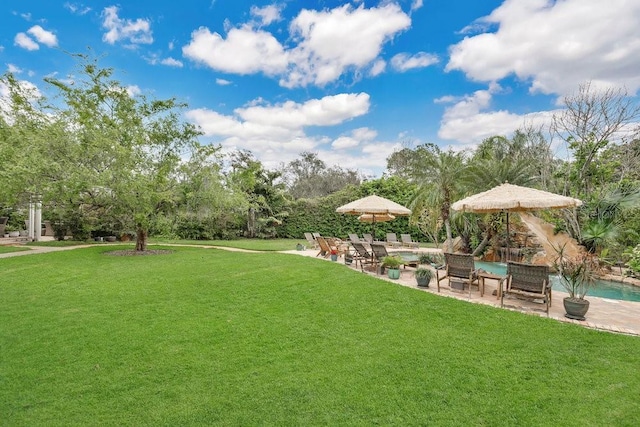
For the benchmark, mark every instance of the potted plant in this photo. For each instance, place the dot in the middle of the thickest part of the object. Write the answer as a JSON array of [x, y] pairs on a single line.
[[334, 255], [424, 258], [576, 275], [423, 276], [392, 264]]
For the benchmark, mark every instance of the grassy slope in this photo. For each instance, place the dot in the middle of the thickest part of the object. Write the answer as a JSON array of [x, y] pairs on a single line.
[[203, 336]]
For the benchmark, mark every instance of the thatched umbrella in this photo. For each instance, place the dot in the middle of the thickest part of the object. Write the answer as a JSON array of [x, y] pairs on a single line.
[[513, 198], [374, 209]]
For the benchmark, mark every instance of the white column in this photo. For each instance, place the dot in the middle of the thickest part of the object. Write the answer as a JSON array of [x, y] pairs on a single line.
[[37, 221], [31, 219]]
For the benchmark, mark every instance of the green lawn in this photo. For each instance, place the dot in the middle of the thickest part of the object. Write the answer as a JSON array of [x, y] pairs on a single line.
[[208, 337], [9, 249]]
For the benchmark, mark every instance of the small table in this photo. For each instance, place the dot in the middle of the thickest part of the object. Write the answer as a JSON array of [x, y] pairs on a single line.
[[482, 275]]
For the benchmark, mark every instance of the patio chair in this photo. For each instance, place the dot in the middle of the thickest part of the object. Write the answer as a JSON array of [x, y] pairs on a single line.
[[407, 242], [392, 240], [459, 268], [362, 255], [528, 281], [325, 249], [311, 240]]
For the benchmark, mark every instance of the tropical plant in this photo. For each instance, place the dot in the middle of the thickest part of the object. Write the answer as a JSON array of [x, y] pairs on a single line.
[[634, 261], [391, 261], [576, 273], [423, 273]]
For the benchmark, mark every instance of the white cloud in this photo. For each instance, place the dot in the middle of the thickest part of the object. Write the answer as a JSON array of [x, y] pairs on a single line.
[[14, 69], [276, 132], [326, 44], [378, 67], [405, 62], [222, 82], [555, 45], [133, 90], [25, 42], [467, 120], [77, 8], [416, 4], [244, 51], [359, 137], [267, 14], [171, 62], [334, 41], [43, 36], [136, 32]]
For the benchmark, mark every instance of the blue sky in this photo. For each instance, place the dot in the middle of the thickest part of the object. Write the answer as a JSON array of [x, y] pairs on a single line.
[[352, 81]]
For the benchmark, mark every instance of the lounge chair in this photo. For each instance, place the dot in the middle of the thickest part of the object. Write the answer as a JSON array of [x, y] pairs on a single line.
[[362, 255], [311, 240], [392, 240], [353, 238], [379, 252], [529, 282], [407, 242], [459, 268]]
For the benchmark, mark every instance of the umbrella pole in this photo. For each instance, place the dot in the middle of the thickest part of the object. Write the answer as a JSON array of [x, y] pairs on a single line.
[[508, 235]]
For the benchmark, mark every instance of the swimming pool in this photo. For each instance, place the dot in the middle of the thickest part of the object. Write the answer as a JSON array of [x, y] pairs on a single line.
[[602, 288]]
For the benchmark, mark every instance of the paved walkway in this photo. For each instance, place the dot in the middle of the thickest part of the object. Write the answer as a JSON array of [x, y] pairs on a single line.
[[604, 314]]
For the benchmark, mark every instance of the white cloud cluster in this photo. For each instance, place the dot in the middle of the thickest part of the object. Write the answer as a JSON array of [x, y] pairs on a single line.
[[468, 120], [555, 45], [278, 131], [244, 51], [333, 41], [326, 44], [135, 32], [35, 35]]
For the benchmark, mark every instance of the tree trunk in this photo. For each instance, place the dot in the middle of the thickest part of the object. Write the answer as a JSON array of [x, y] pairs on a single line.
[[251, 223], [482, 245], [447, 227], [141, 238]]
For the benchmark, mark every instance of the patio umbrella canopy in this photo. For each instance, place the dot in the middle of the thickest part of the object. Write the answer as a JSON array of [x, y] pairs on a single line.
[[513, 198], [374, 209]]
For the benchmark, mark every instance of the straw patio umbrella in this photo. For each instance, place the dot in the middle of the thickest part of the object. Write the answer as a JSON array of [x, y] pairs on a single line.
[[513, 198], [374, 209]]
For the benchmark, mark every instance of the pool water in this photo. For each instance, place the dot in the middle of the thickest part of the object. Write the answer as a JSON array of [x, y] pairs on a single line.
[[602, 288]]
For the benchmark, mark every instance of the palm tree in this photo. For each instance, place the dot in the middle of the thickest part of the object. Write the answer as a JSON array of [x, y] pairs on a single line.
[[437, 174]]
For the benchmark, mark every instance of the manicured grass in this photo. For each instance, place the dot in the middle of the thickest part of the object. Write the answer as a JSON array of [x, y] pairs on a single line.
[[9, 249], [208, 337], [249, 244]]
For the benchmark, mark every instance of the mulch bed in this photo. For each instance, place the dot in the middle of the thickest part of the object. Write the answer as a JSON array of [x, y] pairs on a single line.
[[133, 252]]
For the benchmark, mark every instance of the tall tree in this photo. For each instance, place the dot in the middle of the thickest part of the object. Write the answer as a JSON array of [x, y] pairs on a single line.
[[591, 120], [437, 175], [126, 149]]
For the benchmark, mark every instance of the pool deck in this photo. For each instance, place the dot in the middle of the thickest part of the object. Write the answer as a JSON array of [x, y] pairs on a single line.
[[604, 314]]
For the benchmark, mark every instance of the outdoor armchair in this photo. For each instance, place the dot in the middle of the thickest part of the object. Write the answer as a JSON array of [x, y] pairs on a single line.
[[528, 281], [459, 267]]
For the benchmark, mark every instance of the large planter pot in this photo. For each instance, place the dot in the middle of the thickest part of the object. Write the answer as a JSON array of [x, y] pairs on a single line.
[[393, 273], [575, 308], [14, 234], [423, 282], [334, 257]]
